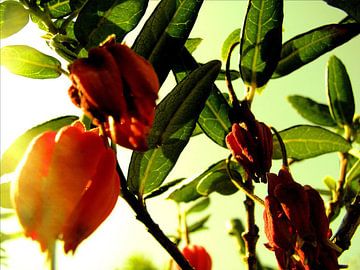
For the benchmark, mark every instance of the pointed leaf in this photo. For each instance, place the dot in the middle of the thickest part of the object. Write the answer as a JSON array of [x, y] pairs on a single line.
[[187, 192], [232, 38], [339, 91], [312, 111], [165, 32], [352, 7], [175, 120], [261, 41], [98, 19], [308, 46], [199, 206], [198, 225], [14, 153], [13, 17], [192, 43], [306, 141], [29, 62], [163, 188]]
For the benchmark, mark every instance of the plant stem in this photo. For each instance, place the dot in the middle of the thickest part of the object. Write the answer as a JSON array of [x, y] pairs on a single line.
[[143, 215]]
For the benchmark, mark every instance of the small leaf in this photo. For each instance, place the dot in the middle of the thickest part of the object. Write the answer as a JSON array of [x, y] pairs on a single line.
[[312, 111], [199, 206], [352, 7], [192, 43], [98, 19], [13, 17], [198, 225], [15, 152], [308, 46], [229, 42], [330, 183], [175, 120], [340, 93], [163, 188], [197, 131], [166, 32], [304, 141], [29, 62], [233, 75], [261, 41], [5, 199]]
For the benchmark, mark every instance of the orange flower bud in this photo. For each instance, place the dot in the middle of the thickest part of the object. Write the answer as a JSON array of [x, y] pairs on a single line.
[[117, 87], [197, 256], [66, 186]]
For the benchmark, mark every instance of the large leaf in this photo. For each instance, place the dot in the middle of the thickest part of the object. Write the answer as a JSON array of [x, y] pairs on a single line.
[[308, 46], [174, 123], [305, 141], [98, 19], [214, 119], [352, 7], [166, 32], [15, 152], [13, 17], [29, 62], [311, 110], [261, 41], [339, 91]]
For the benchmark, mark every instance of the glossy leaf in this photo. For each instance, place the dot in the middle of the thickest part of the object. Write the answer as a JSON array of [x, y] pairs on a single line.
[[162, 189], [58, 8], [5, 198], [29, 62], [214, 119], [175, 120], [312, 111], [166, 32], [13, 17], [261, 41], [339, 91], [308, 46], [305, 141], [198, 225], [98, 19], [352, 7], [232, 38], [15, 152], [199, 206]]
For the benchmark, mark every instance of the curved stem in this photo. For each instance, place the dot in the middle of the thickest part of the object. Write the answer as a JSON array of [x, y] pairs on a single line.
[[285, 162], [233, 99]]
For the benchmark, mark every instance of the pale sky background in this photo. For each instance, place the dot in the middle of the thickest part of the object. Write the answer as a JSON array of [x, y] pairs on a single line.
[[27, 102]]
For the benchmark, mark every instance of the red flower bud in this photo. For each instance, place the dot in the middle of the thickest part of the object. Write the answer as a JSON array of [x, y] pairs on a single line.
[[197, 256], [66, 186], [117, 87]]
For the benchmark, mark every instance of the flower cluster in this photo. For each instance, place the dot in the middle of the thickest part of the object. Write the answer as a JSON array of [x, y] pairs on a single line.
[[197, 256], [117, 88], [66, 186], [296, 225]]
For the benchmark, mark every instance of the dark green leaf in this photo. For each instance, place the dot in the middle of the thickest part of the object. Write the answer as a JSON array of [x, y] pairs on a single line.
[[352, 7], [228, 43], [339, 91], [187, 192], [308, 46], [13, 17], [58, 8], [175, 120], [233, 75], [166, 32], [5, 199], [261, 41], [198, 225], [311, 110], [236, 229], [306, 141], [192, 43], [98, 19], [163, 188], [15, 152], [199, 206], [29, 62]]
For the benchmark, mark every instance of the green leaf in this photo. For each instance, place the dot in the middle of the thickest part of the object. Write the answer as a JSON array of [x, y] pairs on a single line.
[[261, 41], [199, 206], [187, 192], [5, 199], [192, 43], [198, 225], [233, 75], [163, 188], [312, 111], [13, 17], [175, 120], [29, 62], [15, 152], [304, 141], [214, 119], [98, 19], [340, 93], [351, 7], [233, 37], [58, 8], [353, 177], [166, 32], [308, 46]]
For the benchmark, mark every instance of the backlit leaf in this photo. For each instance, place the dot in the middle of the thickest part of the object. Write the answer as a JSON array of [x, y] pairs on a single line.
[[233, 37], [305, 141], [5, 199], [29, 62], [13, 17], [192, 43]]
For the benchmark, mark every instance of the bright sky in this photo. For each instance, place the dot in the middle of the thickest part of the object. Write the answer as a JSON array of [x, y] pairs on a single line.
[[26, 102]]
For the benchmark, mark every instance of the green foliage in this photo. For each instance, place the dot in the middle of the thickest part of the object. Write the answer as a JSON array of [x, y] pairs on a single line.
[[174, 123], [304, 141], [261, 41], [199, 206], [232, 38], [5, 199], [13, 17], [340, 94], [352, 7], [58, 8], [15, 152], [198, 225], [29, 62], [138, 262]]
